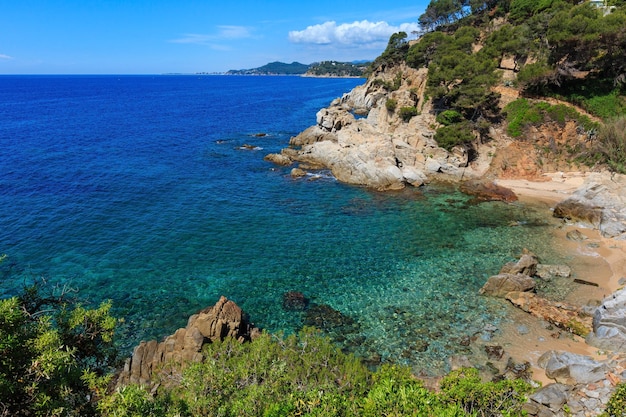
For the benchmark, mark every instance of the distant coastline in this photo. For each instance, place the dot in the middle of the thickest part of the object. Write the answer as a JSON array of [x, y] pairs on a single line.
[[327, 69]]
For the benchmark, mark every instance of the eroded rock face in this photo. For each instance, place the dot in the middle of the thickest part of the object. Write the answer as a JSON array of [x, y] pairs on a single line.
[[157, 361], [609, 323]]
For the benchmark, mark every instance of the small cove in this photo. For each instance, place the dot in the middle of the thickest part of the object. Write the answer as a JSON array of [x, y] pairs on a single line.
[[140, 190]]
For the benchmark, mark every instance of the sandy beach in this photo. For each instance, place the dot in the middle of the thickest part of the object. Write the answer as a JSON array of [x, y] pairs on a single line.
[[595, 259]]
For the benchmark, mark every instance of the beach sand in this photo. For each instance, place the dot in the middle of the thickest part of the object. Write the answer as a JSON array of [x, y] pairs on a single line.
[[595, 259]]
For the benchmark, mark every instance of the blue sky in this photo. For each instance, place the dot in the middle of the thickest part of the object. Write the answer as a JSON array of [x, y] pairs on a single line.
[[188, 36]]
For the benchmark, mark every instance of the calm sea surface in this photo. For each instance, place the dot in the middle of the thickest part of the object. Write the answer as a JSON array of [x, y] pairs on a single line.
[[136, 189]]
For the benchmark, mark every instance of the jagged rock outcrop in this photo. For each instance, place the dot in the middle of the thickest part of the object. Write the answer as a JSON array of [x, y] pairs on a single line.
[[609, 323], [380, 149], [153, 361], [600, 202]]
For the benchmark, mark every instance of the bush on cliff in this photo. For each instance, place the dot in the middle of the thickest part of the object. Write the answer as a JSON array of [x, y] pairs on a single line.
[[455, 134]]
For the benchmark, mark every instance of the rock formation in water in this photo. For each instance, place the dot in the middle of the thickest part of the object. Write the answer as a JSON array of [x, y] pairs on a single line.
[[153, 361]]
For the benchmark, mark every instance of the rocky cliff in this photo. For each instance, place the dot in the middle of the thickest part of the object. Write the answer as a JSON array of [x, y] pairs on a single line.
[[364, 140]]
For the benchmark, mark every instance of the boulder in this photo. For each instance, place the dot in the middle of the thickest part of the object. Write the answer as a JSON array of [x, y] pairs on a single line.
[[487, 191], [278, 159], [552, 396], [526, 265], [571, 369], [575, 235], [501, 284], [609, 323], [297, 173], [600, 202], [574, 209], [160, 361]]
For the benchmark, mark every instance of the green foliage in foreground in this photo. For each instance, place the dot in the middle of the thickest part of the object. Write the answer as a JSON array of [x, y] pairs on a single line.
[[305, 375], [47, 346]]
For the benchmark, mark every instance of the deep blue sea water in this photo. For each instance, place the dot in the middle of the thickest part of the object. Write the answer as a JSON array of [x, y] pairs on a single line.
[[136, 189]]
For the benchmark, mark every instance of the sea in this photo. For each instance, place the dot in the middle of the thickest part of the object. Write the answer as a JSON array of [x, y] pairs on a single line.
[[152, 191]]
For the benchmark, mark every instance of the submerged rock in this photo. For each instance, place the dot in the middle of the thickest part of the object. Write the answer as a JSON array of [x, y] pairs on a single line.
[[548, 272], [484, 190], [560, 314], [295, 301], [326, 318]]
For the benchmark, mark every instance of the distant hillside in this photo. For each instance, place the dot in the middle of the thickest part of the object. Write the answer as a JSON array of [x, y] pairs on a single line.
[[338, 69], [274, 68], [324, 68]]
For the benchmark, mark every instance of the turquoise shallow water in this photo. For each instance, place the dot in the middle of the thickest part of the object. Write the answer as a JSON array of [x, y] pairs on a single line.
[[136, 189]]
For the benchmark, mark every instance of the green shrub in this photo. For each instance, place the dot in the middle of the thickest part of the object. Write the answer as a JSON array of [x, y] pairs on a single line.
[[406, 113], [391, 104], [449, 117], [47, 347], [395, 392], [465, 389], [448, 137]]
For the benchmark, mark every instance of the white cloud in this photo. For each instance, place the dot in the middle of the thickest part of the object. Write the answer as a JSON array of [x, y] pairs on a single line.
[[7, 57], [349, 34], [234, 32], [223, 32]]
